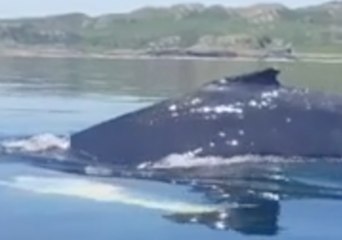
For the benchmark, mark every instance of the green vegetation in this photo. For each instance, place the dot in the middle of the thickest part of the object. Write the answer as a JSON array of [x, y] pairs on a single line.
[[194, 26]]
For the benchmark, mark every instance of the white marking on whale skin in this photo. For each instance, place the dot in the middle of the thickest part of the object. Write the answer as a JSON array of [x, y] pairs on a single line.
[[264, 104], [288, 120], [206, 109], [270, 94], [233, 143], [194, 220], [265, 101], [221, 109], [222, 134], [212, 144], [241, 132], [253, 103], [173, 108], [196, 101], [228, 109]]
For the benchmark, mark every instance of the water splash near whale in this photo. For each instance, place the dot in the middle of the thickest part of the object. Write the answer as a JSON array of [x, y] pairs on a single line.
[[36, 143]]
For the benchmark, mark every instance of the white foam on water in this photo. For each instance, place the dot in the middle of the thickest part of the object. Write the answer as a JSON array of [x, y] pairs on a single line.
[[100, 192], [190, 160], [36, 143], [173, 108]]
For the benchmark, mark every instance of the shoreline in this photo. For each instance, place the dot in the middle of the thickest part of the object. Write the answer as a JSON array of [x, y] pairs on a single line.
[[324, 58]]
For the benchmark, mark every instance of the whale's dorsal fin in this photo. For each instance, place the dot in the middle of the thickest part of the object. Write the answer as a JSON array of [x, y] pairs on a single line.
[[264, 77], [267, 77]]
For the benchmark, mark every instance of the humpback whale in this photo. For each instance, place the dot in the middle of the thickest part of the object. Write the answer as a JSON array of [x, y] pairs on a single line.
[[252, 115], [249, 114]]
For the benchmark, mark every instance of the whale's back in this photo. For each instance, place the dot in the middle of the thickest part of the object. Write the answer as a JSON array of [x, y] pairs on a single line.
[[247, 114]]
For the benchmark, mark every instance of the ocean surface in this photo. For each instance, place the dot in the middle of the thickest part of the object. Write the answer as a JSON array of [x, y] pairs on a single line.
[[43, 101]]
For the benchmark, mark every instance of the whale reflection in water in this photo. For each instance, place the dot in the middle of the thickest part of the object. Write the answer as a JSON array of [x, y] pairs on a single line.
[[251, 203], [253, 216]]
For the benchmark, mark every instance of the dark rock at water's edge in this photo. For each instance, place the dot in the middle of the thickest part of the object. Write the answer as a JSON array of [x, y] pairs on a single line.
[[246, 114]]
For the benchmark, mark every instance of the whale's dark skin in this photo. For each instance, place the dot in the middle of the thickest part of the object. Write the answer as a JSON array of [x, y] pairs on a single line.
[[242, 115]]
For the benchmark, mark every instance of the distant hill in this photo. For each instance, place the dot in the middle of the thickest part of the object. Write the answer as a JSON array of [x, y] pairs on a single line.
[[194, 27]]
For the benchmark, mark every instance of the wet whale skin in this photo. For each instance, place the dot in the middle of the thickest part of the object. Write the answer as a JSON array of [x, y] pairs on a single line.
[[247, 114]]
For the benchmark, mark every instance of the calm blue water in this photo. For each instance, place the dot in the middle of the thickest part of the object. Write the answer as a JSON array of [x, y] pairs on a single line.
[[63, 96]]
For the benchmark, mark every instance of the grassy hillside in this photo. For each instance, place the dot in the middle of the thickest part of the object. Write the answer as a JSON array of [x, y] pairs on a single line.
[[254, 28]]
